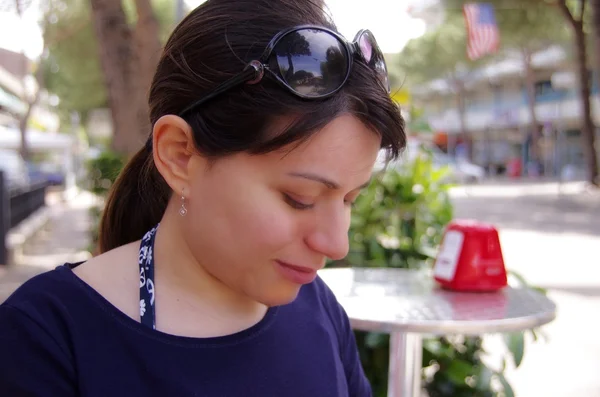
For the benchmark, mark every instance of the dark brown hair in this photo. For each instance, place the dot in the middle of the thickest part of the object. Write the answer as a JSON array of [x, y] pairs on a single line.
[[213, 43]]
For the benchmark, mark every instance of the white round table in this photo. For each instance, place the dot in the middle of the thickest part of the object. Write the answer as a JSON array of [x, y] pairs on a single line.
[[408, 303]]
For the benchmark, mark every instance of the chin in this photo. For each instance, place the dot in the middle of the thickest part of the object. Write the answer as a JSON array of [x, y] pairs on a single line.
[[280, 298]]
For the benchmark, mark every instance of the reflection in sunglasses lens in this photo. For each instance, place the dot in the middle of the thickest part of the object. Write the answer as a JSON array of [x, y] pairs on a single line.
[[312, 62]]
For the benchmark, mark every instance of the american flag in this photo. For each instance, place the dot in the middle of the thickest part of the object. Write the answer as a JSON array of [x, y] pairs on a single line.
[[482, 30]]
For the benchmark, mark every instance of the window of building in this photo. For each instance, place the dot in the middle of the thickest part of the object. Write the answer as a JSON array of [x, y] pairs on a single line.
[[543, 88]]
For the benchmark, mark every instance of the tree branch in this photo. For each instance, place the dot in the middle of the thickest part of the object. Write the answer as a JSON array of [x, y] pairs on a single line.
[[581, 9], [562, 5]]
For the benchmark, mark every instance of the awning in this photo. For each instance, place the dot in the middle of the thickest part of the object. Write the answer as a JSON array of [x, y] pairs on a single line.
[[10, 138]]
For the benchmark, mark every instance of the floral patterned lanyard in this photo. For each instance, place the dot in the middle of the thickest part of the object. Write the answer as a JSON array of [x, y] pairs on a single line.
[[146, 263]]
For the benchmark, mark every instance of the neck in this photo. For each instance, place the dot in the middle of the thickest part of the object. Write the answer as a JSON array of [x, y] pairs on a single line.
[[183, 281]]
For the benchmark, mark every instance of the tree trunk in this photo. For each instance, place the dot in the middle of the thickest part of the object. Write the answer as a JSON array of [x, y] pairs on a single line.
[[530, 88], [24, 120], [588, 133], [148, 50], [116, 58], [128, 62], [596, 29], [588, 130]]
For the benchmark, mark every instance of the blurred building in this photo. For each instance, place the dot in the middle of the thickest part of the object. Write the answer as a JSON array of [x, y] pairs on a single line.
[[12, 106], [16, 86], [497, 114]]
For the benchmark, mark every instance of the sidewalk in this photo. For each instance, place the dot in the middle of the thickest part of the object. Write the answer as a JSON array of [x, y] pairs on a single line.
[[64, 238]]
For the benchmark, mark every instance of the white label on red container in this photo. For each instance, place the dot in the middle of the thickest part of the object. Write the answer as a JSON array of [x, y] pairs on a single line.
[[447, 259]]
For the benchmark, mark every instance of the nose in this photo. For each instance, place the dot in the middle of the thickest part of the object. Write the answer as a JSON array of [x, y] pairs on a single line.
[[330, 235]]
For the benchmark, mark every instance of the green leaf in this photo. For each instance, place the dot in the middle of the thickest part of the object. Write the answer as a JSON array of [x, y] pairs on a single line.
[[459, 370], [440, 174], [515, 342], [519, 277], [524, 282], [539, 333], [376, 339], [484, 378], [508, 390], [427, 358], [541, 290], [427, 251], [534, 335]]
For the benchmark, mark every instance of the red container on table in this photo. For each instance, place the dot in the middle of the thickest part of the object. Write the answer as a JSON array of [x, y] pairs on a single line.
[[470, 258]]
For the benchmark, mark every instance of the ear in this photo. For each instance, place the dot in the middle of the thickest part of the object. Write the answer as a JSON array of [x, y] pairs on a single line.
[[173, 147]]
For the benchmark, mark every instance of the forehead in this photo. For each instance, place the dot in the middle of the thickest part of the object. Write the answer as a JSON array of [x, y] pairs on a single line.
[[345, 145]]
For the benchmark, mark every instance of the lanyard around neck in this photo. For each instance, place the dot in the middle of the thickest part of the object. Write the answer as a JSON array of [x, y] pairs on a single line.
[[146, 264]]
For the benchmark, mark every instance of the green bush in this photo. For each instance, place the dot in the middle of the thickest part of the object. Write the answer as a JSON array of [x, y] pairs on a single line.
[[103, 172], [398, 221]]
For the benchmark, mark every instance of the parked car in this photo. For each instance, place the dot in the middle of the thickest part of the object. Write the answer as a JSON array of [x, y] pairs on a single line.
[[48, 172], [54, 173], [461, 170], [35, 173], [14, 168]]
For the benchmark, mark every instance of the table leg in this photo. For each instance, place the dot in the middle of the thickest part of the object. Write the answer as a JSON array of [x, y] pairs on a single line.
[[404, 377]]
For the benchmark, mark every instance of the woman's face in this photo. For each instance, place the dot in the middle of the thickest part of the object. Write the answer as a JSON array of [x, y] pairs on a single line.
[[263, 225]]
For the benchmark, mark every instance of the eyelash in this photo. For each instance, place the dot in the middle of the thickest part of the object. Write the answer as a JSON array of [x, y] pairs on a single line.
[[301, 206], [296, 204]]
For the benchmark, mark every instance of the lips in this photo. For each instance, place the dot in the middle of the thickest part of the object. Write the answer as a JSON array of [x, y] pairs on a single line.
[[296, 274]]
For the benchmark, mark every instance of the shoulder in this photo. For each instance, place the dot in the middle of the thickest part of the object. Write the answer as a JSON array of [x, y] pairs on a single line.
[[39, 310], [34, 334], [61, 299], [47, 286], [45, 298], [70, 280]]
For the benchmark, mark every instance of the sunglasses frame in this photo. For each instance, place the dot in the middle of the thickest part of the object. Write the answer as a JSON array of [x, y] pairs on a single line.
[[255, 70]]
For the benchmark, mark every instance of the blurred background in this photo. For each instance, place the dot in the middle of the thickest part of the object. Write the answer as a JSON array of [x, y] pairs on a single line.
[[502, 106]]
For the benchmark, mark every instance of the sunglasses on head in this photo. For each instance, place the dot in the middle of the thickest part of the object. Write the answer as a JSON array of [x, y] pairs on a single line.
[[312, 62]]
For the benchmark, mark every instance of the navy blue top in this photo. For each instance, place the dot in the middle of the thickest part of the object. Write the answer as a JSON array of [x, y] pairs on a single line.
[[60, 338]]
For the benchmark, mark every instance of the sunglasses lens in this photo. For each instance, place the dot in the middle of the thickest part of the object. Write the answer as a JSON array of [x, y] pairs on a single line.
[[373, 56], [312, 62]]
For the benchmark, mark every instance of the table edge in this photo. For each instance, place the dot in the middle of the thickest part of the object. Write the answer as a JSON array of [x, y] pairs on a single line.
[[457, 327]]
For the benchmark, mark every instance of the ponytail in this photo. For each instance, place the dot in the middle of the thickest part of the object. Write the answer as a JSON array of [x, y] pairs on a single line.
[[135, 203]]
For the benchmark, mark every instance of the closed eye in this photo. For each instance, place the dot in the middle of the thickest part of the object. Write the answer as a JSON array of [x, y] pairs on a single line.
[[295, 204]]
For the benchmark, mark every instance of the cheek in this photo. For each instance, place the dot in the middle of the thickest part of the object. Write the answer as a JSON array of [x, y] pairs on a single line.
[[268, 227], [256, 222]]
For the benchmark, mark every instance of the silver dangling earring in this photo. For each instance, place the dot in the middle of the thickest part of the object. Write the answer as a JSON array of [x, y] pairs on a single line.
[[182, 210]]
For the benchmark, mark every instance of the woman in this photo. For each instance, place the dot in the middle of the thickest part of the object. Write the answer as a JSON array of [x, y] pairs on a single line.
[[266, 124]]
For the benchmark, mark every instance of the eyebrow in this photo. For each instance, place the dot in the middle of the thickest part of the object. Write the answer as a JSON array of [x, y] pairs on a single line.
[[327, 182]]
